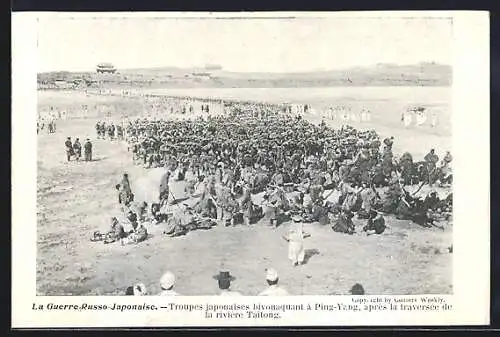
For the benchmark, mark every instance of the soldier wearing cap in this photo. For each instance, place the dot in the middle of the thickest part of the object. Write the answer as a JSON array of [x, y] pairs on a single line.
[[389, 141], [167, 283], [164, 187], [431, 159], [274, 289], [447, 158], [375, 224], [69, 148], [87, 147]]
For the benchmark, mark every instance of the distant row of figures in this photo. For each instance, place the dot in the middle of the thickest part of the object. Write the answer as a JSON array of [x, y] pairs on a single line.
[[411, 117], [418, 117], [346, 114]]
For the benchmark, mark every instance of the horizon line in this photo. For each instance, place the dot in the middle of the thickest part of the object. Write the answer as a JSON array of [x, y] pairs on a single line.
[[250, 72]]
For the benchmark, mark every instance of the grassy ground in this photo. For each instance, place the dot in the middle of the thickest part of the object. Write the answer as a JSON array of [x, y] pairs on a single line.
[[75, 199]]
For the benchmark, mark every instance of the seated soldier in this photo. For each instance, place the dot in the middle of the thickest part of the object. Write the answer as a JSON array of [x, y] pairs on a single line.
[[319, 212], [375, 224], [344, 223], [138, 234], [141, 210], [296, 202], [115, 234], [271, 210], [352, 201], [229, 209], [157, 215], [368, 197], [192, 181], [206, 206], [432, 201]]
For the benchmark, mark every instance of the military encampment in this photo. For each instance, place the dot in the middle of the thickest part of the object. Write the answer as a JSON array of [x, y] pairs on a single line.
[[206, 181]]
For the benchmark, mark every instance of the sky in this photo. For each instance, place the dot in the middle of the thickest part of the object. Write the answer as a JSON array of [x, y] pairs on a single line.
[[249, 45]]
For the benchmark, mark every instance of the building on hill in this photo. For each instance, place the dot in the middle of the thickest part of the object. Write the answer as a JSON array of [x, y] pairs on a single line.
[[105, 68]]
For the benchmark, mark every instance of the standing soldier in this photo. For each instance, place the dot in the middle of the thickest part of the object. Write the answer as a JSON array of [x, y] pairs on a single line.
[[125, 196], [77, 148], [431, 159], [69, 148], [98, 129], [119, 132], [164, 188], [87, 146]]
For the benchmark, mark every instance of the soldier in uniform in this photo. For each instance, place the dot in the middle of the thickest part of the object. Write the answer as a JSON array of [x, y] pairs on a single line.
[[375, 224], [344, 223], [77, 148], [138, 233], [406, 167], [368, 197], [447, 158], [392, 195], [431, 159], [389, 141], [69, 148], [247, 207], [164, 188], [98, 129], [125, 196], [119, 132], [87, 147]]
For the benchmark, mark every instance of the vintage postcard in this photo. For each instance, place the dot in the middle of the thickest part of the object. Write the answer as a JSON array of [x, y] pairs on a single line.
[[250, 169]]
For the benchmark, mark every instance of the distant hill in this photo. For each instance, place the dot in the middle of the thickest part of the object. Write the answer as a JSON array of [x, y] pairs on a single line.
[[423, 74]]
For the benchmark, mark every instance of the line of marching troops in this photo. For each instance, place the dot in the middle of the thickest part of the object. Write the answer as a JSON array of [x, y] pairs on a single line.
[[74, 149], [110, 130], [49, 125]]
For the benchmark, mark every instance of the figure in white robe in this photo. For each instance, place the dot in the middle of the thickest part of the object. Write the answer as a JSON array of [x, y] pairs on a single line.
[[362, 115], [434, 120], [368, 115], [407, 119], [421, 118], [345, 115], [353, 116], [295, 238]]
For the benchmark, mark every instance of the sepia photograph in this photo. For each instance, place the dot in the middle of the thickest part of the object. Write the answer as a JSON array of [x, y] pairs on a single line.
[[262, 156], [258, 169]]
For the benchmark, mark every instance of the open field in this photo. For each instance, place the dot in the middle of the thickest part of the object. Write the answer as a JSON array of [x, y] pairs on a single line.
[[75, 199]]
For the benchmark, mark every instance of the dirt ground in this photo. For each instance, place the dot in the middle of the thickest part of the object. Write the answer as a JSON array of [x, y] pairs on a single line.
[[77, 198]]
